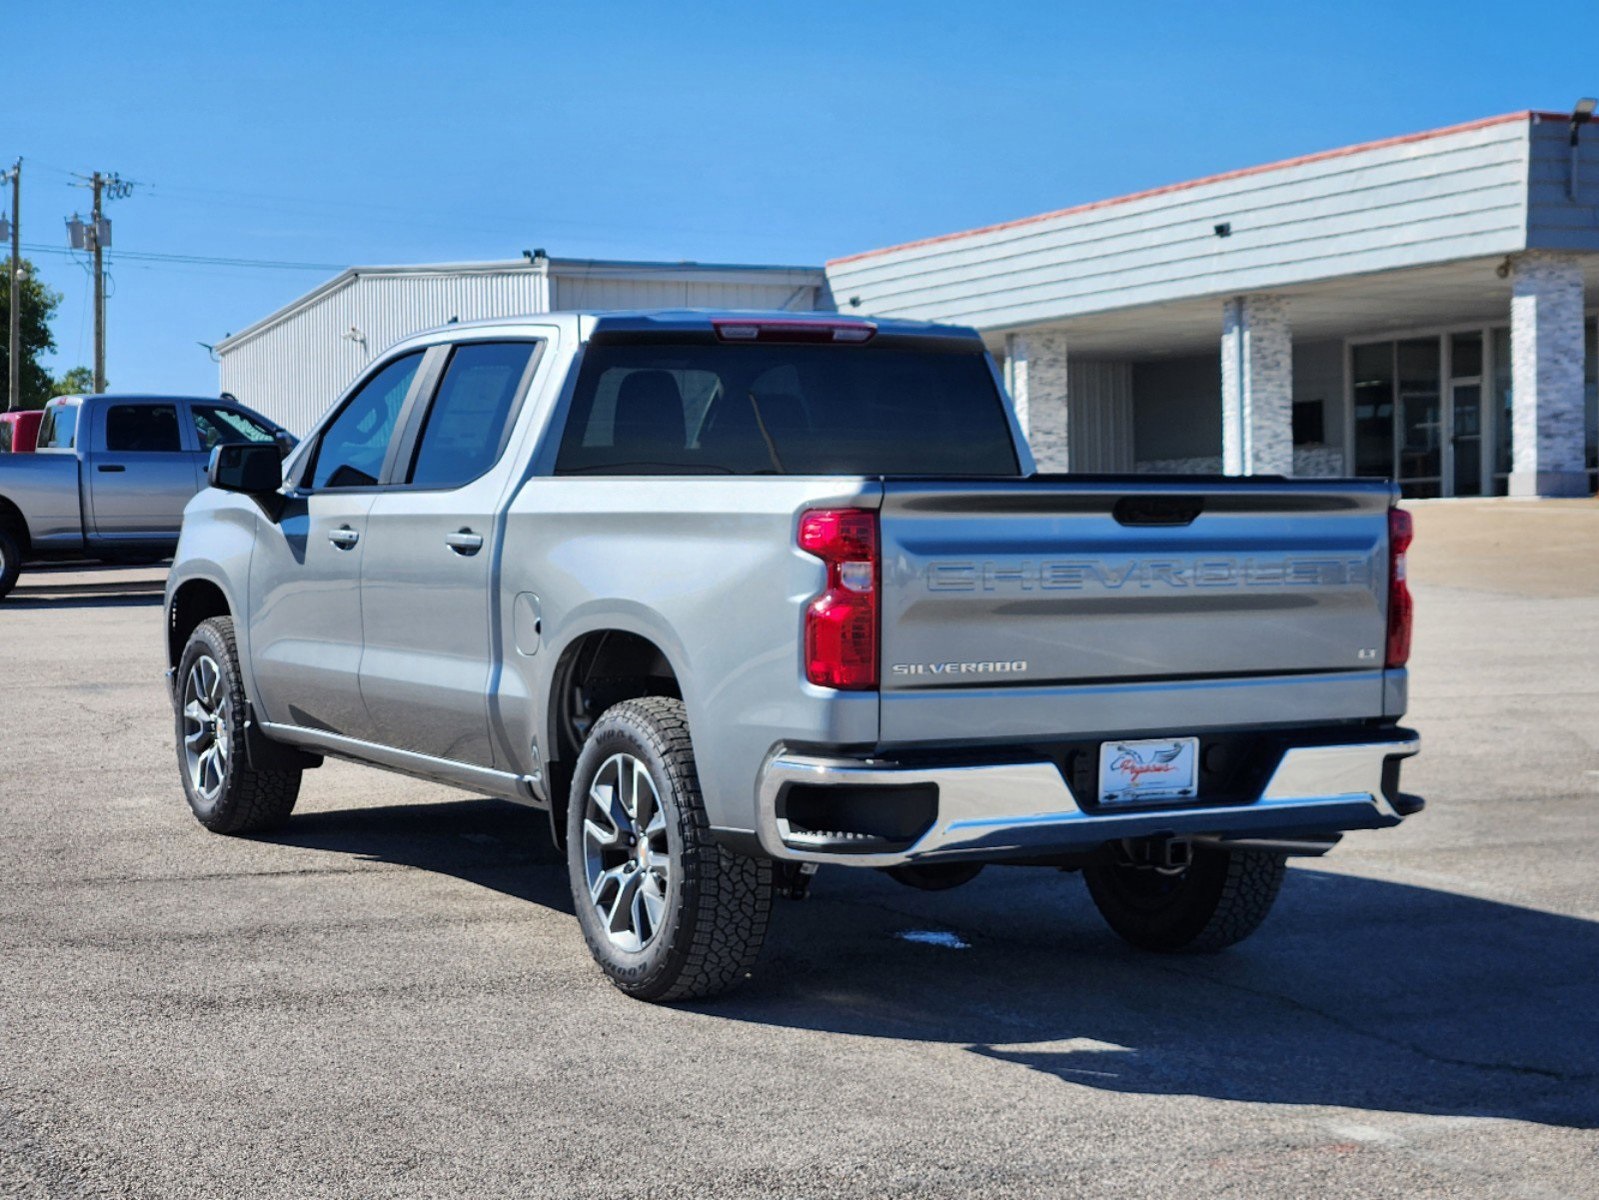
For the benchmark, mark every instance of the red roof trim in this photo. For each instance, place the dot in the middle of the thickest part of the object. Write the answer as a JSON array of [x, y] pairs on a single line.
[[1319, 156]]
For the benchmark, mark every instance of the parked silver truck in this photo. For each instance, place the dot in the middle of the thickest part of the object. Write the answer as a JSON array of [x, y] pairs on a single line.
[[110, 476], [736, 595]]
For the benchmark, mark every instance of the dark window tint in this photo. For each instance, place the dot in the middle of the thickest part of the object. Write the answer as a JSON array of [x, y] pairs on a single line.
[[709, 407], [351, 451], [142, 428], [216, 425], [55, 428], [466, 424], [5, 436]]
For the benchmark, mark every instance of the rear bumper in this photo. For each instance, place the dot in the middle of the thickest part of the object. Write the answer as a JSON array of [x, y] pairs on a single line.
[[1026, 808]]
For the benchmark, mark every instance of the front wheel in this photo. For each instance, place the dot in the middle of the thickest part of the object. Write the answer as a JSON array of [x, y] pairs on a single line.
[[225, 792], [1220, 898], [668, 913]]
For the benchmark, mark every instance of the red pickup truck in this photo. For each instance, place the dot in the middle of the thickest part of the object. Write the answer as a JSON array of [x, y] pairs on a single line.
[[19, 432]]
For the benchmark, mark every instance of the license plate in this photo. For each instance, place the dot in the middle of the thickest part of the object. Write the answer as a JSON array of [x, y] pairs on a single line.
[[1148, 769]]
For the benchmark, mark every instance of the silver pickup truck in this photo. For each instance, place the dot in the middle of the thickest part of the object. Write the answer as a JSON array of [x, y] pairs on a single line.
[[111, 476], [734, 595]]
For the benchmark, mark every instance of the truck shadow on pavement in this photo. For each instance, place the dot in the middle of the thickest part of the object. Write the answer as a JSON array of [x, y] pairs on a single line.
[[495, 844], [40, 590], [1356, 992]]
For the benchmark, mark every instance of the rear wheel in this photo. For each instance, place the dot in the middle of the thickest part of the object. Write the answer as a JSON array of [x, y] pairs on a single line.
[[668, 913], [10, 560], [225, 792], [1220, 898]]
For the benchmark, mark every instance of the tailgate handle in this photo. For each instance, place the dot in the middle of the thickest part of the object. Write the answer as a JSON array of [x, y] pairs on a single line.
[[1158, 510]]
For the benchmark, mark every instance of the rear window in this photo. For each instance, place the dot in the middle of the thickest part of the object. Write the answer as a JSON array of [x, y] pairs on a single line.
[[713, 408]]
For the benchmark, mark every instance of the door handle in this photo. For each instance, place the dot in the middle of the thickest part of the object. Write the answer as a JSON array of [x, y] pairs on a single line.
[[108, 468], [464, 542], [343, 537]]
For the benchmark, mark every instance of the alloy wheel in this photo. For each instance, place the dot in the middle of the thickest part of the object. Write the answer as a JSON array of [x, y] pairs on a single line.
[[207, 720], [626, 858]]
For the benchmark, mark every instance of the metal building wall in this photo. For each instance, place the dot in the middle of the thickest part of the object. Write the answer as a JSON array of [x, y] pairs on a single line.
[[575, 288], [293, 370], [1099, 409], [294, 364]]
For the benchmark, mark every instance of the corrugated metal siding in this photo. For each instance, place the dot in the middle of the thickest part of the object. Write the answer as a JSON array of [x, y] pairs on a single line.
[[1457, 195], [1099, 409], [294, 370], [605, 291], [1554, 220]]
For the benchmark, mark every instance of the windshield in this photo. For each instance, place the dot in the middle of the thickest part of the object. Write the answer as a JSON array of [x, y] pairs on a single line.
[[712, 408]]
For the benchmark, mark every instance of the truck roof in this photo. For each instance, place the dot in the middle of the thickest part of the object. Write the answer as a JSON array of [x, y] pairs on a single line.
[[589, 321]]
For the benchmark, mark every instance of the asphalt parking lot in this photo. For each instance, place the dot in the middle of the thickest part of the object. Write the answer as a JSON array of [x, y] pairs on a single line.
[[391, 998]]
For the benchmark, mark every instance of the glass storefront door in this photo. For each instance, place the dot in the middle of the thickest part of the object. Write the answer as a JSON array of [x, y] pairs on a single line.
[[1420, 430], [1465, 443]]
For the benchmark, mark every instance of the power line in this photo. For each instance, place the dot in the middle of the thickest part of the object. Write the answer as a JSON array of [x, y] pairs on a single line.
[[201, 260]]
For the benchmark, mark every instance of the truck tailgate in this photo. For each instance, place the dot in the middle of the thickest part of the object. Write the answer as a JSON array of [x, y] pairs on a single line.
[[1071, 595]]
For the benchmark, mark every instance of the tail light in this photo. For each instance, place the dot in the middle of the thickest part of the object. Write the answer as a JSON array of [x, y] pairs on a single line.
[[1401, 609], [841, 623]]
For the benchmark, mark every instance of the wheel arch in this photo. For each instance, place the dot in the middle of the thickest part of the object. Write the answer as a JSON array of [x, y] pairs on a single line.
[[594, 670], [13, 520], [194, 600]]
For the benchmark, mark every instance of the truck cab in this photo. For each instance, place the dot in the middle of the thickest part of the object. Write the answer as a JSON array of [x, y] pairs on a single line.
[[111, 473]]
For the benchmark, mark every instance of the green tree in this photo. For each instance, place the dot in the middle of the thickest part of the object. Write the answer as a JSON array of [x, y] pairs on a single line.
[[38, 306], [77, 382]]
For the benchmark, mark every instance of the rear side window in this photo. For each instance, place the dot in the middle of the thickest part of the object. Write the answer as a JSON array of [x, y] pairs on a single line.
[[468, 421], [55, 428], [352, 448], [5, 436], [215, 425], [705, 407], [142, 429]]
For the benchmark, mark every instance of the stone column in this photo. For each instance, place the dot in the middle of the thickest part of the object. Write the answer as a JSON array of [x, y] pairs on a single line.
[[1547, 418], [1257, 387], [1036, 368]]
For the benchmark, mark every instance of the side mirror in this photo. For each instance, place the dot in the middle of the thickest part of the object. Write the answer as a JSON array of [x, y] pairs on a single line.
[[254, 468], [285, 442]]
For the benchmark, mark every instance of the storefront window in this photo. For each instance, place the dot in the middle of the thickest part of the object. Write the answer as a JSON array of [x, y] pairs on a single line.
[[1373, 372]]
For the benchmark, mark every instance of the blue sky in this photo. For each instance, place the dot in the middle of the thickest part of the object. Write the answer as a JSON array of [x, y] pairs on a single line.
[[353, 132]]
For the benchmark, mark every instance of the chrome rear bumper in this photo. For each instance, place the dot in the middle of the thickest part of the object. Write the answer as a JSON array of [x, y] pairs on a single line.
[[1027, 808]]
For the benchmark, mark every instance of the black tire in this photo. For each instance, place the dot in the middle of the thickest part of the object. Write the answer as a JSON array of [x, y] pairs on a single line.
[[713, 905], [934, 877], [1220, 899], [10, 560], [229, 796]]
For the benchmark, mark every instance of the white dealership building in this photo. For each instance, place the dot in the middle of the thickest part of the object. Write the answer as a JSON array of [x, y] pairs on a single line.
[[1421, 307]]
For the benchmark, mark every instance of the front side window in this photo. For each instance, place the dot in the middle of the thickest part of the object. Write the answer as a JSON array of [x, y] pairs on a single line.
[[466, 424], [214, 425], [142, 429], [352, 448]]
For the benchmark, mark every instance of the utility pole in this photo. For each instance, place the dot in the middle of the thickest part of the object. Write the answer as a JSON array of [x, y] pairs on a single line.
[[97, 182], [96, 236], [14, 389]]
